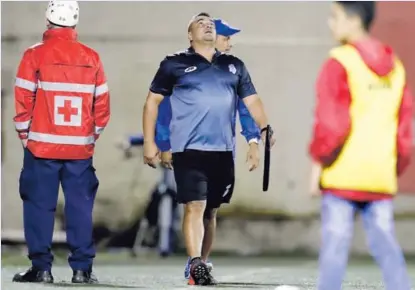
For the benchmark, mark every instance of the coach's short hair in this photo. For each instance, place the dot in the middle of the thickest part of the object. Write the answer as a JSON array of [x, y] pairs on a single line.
[[194, 18], [203, 14], [365, 10]]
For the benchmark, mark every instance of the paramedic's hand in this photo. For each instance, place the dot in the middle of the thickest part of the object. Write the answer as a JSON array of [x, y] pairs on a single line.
[[315, 179], [23, 138], [167, 159], [24, 142], [151, 154], [252, 157]]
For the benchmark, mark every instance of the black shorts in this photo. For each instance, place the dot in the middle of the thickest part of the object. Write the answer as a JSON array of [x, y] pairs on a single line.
[[204, 175]]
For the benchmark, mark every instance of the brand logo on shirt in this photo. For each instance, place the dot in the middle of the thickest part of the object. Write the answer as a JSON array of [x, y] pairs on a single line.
[[232, 68], [190, 69]]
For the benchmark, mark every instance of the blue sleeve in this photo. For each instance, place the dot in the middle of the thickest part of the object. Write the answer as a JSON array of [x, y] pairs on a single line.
[[163, 81], [250, 129], [163, 125], [245, 86]]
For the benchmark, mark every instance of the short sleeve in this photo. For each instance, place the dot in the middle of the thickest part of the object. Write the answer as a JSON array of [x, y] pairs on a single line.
[[163, 81], [245, 86]]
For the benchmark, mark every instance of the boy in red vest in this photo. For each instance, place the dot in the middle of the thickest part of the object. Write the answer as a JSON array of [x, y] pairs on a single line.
[[361, 144]]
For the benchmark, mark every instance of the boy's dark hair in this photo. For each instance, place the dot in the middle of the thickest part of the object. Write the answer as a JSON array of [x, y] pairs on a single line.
[[365, 10]]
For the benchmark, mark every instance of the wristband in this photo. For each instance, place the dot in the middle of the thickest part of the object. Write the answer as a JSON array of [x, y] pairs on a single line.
[[253, 140]]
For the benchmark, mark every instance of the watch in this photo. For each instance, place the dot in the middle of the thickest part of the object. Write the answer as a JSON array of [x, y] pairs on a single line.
[[270, 132]]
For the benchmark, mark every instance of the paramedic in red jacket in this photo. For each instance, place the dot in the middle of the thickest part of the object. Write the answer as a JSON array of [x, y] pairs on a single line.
[[362, 142], [62, 106]]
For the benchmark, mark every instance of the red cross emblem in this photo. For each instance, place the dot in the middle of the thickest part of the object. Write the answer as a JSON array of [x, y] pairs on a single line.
[[67, 111]]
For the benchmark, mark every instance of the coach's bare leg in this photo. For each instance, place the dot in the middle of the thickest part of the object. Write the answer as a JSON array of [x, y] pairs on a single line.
[[209, 221], [193, 228]]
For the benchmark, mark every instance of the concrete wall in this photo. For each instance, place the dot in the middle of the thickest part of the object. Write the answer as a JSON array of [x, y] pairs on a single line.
[[282, 43], [394, 24]]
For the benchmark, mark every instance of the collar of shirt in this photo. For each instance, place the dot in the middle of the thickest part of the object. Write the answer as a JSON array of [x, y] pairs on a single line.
[[61, 33], [192, 51]]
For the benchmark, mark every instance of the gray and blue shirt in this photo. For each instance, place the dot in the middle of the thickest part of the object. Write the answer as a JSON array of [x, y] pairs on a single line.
[[204, 97]]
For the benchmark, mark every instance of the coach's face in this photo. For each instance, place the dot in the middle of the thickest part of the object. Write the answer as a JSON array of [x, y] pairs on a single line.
[[223, 43], [202, 30]]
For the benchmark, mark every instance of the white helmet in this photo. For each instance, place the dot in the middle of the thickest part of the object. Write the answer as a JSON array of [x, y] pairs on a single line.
[[63, 13]]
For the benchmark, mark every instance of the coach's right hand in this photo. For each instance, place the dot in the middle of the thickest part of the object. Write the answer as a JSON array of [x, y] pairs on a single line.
[[151, 154], [167, 159]]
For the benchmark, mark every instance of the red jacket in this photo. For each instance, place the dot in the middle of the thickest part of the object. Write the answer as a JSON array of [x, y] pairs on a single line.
[[332, 117], [61, 96]]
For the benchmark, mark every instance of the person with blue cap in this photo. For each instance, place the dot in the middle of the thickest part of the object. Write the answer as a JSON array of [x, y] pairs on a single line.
[[223, 35]]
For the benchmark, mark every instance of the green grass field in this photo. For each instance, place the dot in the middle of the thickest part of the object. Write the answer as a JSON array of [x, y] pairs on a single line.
[[118, 271]]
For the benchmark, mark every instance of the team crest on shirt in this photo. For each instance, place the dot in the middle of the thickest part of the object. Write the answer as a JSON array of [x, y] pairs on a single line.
[[232, 68]]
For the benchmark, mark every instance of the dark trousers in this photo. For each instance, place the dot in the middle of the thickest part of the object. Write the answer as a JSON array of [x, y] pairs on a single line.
[[204, 175], [39, 188]]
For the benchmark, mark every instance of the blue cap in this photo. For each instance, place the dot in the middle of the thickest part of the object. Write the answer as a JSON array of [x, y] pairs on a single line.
[[223, 28]]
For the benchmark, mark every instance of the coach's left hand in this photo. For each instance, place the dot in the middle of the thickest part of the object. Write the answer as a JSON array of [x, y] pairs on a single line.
[[271, 140], [252, 157]]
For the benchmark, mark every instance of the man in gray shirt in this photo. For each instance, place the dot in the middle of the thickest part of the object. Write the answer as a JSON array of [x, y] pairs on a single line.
[[203, 85]]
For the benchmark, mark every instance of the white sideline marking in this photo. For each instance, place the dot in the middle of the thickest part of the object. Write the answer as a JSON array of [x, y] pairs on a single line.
[[232, 278]]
